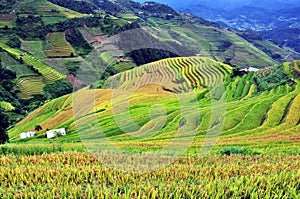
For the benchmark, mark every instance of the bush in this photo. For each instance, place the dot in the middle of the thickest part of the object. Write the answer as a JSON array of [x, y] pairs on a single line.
[[237, 151], [4, 123], [14, 42], [270, 78]]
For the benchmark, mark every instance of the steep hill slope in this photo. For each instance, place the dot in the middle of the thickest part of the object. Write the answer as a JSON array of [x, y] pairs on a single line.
[[151, 116]]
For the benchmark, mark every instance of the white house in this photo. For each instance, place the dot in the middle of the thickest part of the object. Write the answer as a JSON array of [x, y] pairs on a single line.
[[56, 132], [27, 135], [248, 70]]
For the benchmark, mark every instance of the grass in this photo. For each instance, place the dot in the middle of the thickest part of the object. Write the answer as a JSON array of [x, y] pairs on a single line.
[[9, 24], [61, 48], [53, 19], [34, 47], [47, 9]]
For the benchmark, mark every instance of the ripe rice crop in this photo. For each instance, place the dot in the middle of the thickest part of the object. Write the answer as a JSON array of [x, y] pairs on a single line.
[[81, 175]]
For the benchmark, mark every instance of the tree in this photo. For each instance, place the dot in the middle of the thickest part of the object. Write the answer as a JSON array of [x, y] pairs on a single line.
[[4, 123], [14, 42], [38, 128]]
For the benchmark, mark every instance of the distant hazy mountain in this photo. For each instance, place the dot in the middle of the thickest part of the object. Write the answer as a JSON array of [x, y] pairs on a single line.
[[250, 18], [232, 4], [277, 20]]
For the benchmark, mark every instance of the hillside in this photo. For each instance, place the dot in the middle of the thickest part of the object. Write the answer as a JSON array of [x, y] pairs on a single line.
[[280, 25], [53, 46], [258, 117], [120, 99]]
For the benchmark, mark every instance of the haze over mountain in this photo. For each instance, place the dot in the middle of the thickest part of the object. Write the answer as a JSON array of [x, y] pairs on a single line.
[[277, 20], [231, 4]]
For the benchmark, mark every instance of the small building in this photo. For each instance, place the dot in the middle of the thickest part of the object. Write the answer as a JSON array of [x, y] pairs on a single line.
[[251, 69], [56, 133], [27, 135]]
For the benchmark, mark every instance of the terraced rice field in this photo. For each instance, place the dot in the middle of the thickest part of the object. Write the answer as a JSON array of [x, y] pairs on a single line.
[[176, 75], [129, 138], [6, 106], [30, 85], [48, 73], [61, 48], [30, 82], [259, 122]]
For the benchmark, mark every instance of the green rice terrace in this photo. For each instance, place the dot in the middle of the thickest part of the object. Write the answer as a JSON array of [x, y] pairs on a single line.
[[39, 73], [257, 118], [60, 47]]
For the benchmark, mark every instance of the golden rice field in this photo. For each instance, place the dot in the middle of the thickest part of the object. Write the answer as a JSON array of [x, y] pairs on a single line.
[[82, 175], [30, 85], [177, 75]]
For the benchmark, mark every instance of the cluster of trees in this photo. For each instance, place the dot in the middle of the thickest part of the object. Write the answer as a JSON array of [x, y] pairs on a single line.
[[84, 7], [6, 4], [147, 55], [150, 48], [158, 8], [57, 89], [284, 37], [87, 7], [75, 38], [33, 27], [14, 42], [7, 93], [4, 123], [107, 6], [270, 78], [7, 86]]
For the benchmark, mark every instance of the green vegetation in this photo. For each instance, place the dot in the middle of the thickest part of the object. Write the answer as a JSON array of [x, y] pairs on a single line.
[[254, 118], [49, 74], [14, 42], [75, 38], [3, 126], [58, 89], [6, 106], [270, 78], [61, 48], [36, 48]]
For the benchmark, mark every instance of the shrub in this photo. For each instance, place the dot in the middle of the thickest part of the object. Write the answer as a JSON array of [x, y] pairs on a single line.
[[237, 151]]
